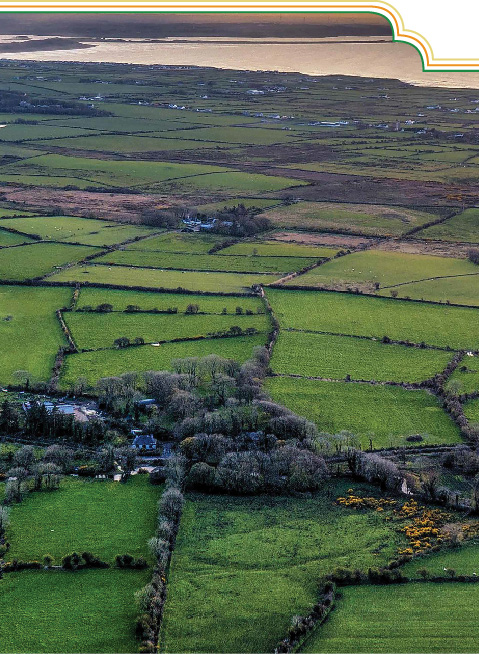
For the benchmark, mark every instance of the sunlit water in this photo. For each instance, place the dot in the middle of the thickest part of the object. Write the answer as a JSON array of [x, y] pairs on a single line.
[[311, 56]]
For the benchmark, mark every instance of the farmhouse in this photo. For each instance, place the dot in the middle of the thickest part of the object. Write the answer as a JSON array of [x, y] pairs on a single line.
[[144, 442]]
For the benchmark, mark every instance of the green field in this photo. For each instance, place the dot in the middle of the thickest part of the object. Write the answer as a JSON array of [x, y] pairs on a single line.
[[9, 213], [471, 410], [151, 278], [456, 290], [178, 242], [146, 174], [96, 330], [385, 268], [279, 249], [38, 132], [131, 143], [456, 327], [190, 261], [467, 374], [78, 230], [464, 560], [412, 618], [120, 299], [31, 336], [112, 173], [386, 414], [103, 517], [345, 217], [462, 227], [9, 238], [95, 365], [38, 259], [334, 357], [86, 611], [242, 567]]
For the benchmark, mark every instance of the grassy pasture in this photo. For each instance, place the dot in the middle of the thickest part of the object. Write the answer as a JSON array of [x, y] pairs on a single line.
[[467, 373], [86, 611], [55, 181], [238, 135], [177, 242], [79, 230], [118, 124], [386, 268], [112, 173], [463, 289], [38, 132], [340, 313], [103, 517], [334, 357], [242, 567], [96, 330], [9, 213], [120, 299], [145, 174], [278, 249], [191, 261], [35, 260], [95, 365], [150, 278], [31, 338], [412, 618], [9, 238], [462, 227], [471, 410], [345, 217], [387, 414], [232, 182], [134, 143], [464, 560]]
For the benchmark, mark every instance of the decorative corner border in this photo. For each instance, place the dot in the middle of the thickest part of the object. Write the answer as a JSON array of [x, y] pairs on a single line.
[[399, 32]]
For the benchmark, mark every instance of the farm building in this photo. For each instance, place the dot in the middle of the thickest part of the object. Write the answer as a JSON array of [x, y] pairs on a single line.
[[144, 442]]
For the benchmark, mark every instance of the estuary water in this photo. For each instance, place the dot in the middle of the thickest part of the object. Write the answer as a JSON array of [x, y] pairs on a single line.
[[364, 56]]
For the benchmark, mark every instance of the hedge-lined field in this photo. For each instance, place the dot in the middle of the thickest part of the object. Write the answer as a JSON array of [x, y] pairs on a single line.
[[222, 282], [103, 517], [428, 618], [9, 238], [242, 567], [362, 218], [462, 227], [78, 230], [83, 611], [322, 355], [279, 249], [192, 261], [95, 365], [456, 290], [30, 334], [456, 327], [146, 174], [386, 414], [471, 411], [178, 242], [95, 330], [467, 374], [120, 299], [38, 259], [464, 560], [385, 268]]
